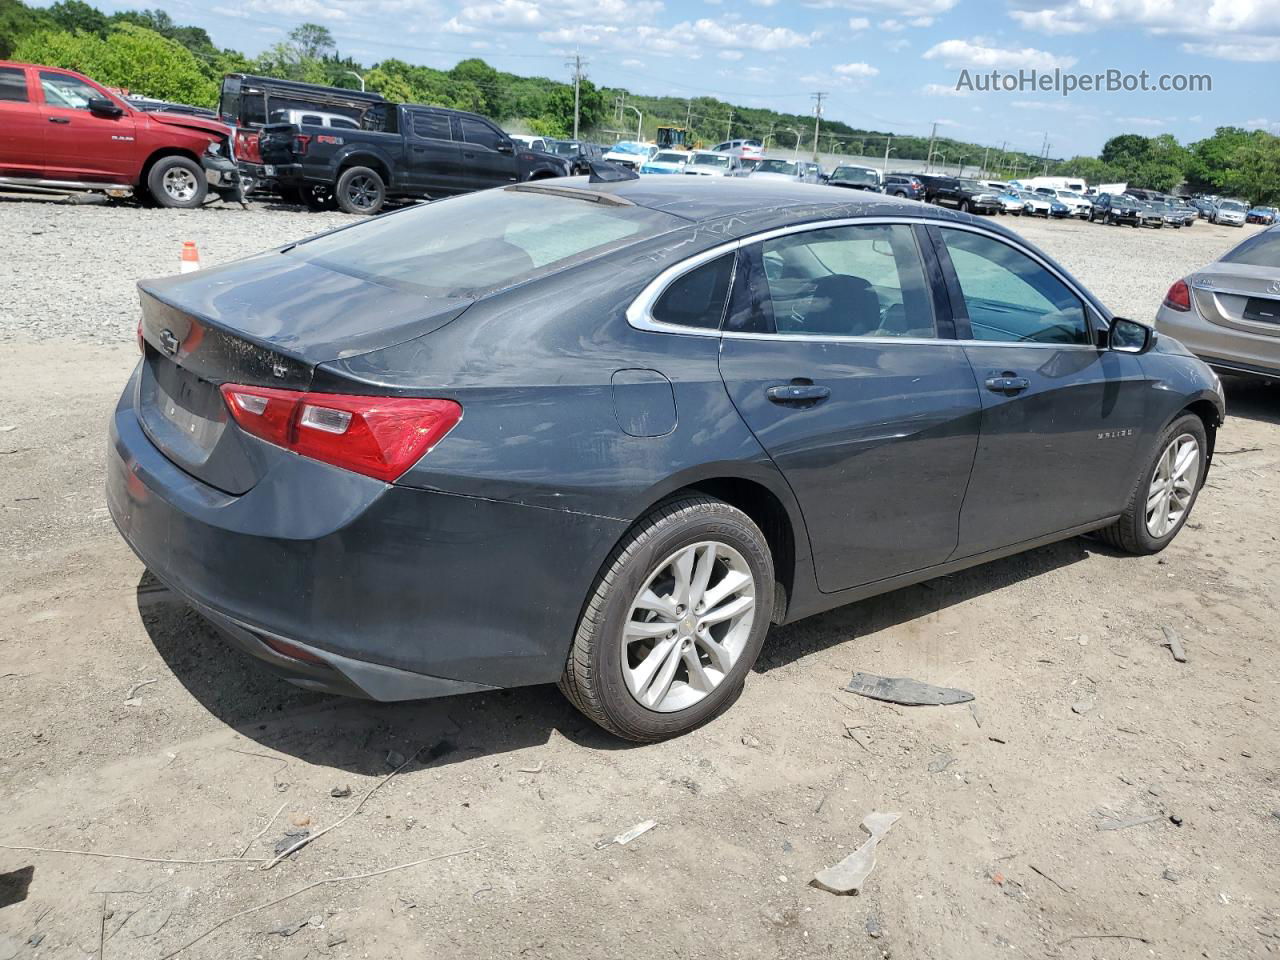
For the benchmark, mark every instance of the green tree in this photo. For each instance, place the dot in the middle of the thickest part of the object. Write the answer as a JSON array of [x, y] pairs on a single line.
[[76, 15], [17, 20], [312, 41], [131, 57]]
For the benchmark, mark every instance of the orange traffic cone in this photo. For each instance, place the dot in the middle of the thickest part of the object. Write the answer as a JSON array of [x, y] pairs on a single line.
[[190, 257]]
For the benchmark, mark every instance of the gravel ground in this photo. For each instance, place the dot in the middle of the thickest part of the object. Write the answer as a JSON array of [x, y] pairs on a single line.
[[130, 728]]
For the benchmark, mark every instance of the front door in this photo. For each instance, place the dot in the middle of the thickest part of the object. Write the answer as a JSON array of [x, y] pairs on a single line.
[[488, 156], [836, 361], [21, 126], [80, 144], [1061, 418]]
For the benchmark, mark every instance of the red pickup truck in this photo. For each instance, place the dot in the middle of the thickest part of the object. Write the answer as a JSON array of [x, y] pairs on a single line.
[[61, 131]]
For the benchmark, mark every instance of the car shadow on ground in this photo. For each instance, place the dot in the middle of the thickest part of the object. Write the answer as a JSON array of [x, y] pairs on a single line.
[[343, 733], [358, 735], [1252, 398], [787, 644]]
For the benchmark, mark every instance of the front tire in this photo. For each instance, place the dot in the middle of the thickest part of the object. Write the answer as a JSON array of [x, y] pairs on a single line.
[[674, 622], [178, 183], [360, 190], [1165, 491]]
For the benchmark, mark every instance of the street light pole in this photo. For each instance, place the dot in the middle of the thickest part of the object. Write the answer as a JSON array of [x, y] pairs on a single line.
[[887, 151], [358, 77], [796, 154], [639, 122]]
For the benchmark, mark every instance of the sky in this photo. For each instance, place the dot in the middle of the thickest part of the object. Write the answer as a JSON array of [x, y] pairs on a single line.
[[885, 64]]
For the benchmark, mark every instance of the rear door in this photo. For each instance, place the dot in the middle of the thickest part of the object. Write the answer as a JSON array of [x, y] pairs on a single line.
[[488, 156], [833, 355], [22, 126], [80, 144], [1061, 419], [435, 161]]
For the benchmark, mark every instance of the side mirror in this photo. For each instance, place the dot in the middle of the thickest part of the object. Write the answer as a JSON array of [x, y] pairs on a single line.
[[1130, 336], [103, 107], [506, 146]]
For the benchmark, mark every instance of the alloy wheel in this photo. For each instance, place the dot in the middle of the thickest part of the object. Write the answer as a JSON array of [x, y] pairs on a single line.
[[1173, 485], [362, 193], [687, 626], [180, 184]]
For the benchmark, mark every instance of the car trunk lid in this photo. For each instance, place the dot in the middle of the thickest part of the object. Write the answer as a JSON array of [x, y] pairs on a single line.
[[267, 321], [1240, 296]]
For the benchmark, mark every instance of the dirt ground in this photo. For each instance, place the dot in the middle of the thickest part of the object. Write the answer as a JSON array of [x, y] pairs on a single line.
[[129, 728]]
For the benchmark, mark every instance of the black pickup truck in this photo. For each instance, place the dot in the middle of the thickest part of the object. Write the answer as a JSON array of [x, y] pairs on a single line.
[[967, 195], [418, 152]]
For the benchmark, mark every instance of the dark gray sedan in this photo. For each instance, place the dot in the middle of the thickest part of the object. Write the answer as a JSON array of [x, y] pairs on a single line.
[[605, 434]]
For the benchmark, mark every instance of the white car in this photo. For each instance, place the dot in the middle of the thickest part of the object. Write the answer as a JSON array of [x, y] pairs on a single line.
[[666, 161], [1078, 205], [711, 163], [740, 148], [1230, 212], [771, 168], [1034, 204], [630, 153], [313, 118], [533, 143]]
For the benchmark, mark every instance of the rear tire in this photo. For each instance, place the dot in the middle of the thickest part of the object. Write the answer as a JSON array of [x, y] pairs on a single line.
[[1139, 529], [360, 190], [605, 675], [178, 183]]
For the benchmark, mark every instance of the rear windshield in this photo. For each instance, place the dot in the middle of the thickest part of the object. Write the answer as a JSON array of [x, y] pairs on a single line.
[[474, 244], [777, 166], [1260, 250]]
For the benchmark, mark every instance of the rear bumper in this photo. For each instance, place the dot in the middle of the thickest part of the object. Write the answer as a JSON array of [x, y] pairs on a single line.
[[402, 593], [268, 177], [1223, 348]]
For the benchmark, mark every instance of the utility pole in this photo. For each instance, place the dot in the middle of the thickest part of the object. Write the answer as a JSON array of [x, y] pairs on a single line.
[[885, 167], [817, 96], [688, 117], [728, 131], [576, 63], [928, 161], [983, 169]]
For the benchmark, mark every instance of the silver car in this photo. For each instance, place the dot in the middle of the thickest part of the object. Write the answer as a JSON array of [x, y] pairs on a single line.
[[1228, 313], [797, 171], [1231, 212]]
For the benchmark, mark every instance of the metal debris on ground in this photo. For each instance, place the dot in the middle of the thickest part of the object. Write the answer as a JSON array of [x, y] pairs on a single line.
[[847, 877], [628, 835], [290, 838], [904, 691], [941, 762], [342, 791], [977, 717], [1174, 644]]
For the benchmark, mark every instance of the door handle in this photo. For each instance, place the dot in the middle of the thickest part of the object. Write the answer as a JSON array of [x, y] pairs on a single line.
[[798, 393], [59, 119], [1008, 384]]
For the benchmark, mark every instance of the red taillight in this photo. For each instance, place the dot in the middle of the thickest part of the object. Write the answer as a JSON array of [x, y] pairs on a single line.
[[380, 437], [142, 341], [247, 146], [1179, 297], [300, 144]]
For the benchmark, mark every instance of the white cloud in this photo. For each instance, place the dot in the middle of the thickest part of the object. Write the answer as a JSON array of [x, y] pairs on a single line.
[[897, 45], [942, 90], [1141, 121], [539, 14], [1247, 49], [859, 23], [633, 63], [731, 54], [891, 25], [1047, 21], [1261, 123], [764, 3], [920, 22], [680, 38], [963, 53], [1058, 106], [856, 70], [948, 123], [907, 8]]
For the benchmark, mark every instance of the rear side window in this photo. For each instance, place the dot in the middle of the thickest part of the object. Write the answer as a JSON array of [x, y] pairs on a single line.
[[473, 131], [474, 244], [13, 85], [313, 119], [1010, 297], [342, 124], [431, 126], [697, 299], [1260, 250], [859, 281]]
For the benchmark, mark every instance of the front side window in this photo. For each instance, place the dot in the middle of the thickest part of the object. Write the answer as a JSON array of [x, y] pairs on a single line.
[[481, 134], [1010, 297], [62, 90], [857, 281], [697, 298], [13, 84]]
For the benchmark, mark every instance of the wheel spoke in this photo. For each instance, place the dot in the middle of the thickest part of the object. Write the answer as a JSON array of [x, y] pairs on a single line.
[[730, 583], [666, 673], [638, 630], [720, 656], [728, 610], [644, 673], [682, 569], [698, 678], [704, 564], [665, 606]]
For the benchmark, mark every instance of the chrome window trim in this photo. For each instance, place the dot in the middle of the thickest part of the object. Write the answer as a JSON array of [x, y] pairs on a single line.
[[639, 314]]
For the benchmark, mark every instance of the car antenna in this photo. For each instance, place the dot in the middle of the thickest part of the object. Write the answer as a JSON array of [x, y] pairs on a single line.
[[605, 172]]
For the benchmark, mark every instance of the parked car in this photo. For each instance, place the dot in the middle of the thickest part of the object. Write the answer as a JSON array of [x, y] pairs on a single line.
[[1150, 214], [1230, 212], [531, 142], [813, 172], [930, 183], [1171, 215], [1077, 206], [1185, 210], [655, 462], [1042, 205], [1263, 215], [773, 168], [579, 153], [61, 131], [424, 152], [1115, 209], [1228, 313], [1204, 206], [906, 185], [748, 147], [854, 177], [708, 163], [1010, 201], [152, 105], [666, 161], [967, 195], [314, 118], [630, 153]]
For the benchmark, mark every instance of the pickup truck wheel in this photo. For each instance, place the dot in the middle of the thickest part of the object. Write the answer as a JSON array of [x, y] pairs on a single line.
[[177, 182], [360, 190], [965, 206]]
